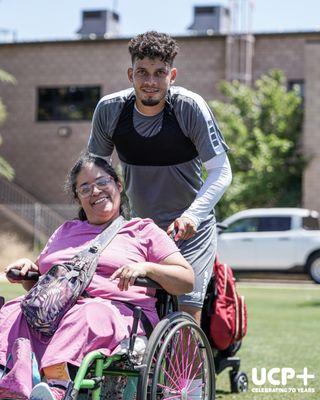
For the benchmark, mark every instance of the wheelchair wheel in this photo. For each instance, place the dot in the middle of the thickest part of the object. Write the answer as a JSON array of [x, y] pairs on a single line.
[[178, 362], [239, 382]]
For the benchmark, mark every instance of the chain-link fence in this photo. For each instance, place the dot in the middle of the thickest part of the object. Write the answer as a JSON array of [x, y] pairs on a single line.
[[36, 218]]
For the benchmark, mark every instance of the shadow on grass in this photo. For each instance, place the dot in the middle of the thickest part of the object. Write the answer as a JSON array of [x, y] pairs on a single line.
[[310, 303], [222, 393]]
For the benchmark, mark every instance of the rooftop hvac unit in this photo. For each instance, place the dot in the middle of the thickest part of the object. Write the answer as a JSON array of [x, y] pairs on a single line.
[[209, 20], [99, 23]]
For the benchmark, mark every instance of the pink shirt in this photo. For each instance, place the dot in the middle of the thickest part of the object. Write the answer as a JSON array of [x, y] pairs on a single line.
[[138, 240]]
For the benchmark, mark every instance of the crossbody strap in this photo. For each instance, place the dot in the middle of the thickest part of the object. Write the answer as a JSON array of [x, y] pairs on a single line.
[[100, 242], [105, 237]]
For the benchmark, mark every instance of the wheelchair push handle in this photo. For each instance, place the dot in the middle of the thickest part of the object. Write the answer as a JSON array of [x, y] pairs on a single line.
[[15, 275]]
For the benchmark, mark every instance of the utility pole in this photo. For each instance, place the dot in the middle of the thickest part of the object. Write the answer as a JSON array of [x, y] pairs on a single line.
[[114, 5], [7, 35], [240, 42]]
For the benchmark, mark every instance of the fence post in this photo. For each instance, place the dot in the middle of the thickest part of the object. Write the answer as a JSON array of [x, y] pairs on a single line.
[[37, 227]]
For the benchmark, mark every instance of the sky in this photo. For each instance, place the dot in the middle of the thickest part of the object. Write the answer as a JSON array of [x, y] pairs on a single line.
[[60, 19]]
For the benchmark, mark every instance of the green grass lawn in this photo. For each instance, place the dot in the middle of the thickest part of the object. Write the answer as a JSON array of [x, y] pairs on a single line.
[[9, 291], [283, 331]]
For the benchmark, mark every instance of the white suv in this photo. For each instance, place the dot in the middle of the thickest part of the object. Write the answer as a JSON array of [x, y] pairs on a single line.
[[272, 239]]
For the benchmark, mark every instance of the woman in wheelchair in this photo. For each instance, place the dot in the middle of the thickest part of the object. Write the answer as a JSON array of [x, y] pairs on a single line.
[[102, 320]]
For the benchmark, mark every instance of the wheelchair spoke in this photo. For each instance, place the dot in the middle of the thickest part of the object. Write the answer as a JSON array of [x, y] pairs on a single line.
[[180, 364], [181, 356], [183, 362], [175, 371], [170, 378], [195, 388], [189, 367], [187, 344], [196, 372]]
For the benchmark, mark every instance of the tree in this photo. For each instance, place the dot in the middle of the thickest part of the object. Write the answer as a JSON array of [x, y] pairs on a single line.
[[262, 124], [5, 169]]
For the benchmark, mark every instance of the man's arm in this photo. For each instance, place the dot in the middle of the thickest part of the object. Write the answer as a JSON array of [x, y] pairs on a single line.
[[197, 121], [218, 179], [100, 143]]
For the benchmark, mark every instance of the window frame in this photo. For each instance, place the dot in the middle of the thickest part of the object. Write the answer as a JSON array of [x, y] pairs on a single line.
[[54, 105]]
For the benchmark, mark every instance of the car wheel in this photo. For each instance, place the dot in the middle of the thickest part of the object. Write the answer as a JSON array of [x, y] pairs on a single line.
[[314, 267]]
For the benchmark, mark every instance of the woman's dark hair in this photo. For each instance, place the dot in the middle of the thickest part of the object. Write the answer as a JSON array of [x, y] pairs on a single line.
[[153, 45], [71, 182]]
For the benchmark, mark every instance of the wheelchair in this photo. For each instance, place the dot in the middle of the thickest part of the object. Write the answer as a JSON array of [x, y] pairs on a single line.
[[177, 361]]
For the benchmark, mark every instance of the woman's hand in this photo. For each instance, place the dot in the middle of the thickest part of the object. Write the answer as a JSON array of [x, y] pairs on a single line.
[[24, 265], [128, 274]]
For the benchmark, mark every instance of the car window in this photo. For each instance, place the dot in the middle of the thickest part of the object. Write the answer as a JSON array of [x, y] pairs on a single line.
[[260, 224], [274, 224], [243, 225], [310, 223]]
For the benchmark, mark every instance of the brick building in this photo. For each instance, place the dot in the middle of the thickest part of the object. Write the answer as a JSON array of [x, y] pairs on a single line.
[[41, 147]]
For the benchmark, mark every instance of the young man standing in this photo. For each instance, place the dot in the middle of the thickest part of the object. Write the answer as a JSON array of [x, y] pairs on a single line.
[[163, 135]]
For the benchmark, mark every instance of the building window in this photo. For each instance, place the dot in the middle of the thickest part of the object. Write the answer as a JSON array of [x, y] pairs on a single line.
[[67, 103]]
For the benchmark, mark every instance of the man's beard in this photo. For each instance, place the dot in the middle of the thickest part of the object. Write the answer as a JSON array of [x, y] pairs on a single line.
[[150, 102]]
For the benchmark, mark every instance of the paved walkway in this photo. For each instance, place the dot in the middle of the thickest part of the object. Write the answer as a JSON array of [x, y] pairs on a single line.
[[261, 284]]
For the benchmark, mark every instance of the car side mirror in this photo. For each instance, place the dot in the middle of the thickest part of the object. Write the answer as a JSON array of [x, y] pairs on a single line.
[[221, 227]]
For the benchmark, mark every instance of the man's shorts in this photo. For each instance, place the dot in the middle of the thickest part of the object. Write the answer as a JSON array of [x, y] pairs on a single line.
[[199, 251]]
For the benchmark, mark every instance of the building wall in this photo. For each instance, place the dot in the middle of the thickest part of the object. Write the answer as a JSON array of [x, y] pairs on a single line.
[[41, 158], [311, 138], [279, 51], [201, 65]]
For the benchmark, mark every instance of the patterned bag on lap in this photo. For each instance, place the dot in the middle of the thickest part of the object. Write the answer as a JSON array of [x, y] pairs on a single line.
[[59, 289]]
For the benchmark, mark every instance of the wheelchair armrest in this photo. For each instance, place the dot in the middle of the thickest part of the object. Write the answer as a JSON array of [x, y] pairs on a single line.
[[165, 302], [15, 275], [147, 282]]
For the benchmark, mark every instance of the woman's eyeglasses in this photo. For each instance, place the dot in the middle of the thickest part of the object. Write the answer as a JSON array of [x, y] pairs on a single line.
[[86, 189]]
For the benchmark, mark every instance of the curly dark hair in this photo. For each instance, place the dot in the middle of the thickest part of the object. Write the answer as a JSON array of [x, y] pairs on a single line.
[[153, 44], [71, 181]]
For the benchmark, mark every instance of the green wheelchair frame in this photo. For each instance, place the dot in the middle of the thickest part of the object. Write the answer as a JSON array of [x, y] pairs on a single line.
[[168, 351], [101, 371], [176, 346]]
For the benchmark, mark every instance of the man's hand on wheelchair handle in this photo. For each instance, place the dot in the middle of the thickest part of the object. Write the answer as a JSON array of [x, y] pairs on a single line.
[[127, 274], [24, 265], [185, 228]]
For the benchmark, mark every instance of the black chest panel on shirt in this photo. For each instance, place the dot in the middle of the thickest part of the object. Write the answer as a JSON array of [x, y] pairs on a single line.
[[168, 147]]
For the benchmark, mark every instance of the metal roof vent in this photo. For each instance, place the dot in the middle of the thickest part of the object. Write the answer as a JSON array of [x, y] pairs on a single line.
[[209, 20], [99, 23]]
